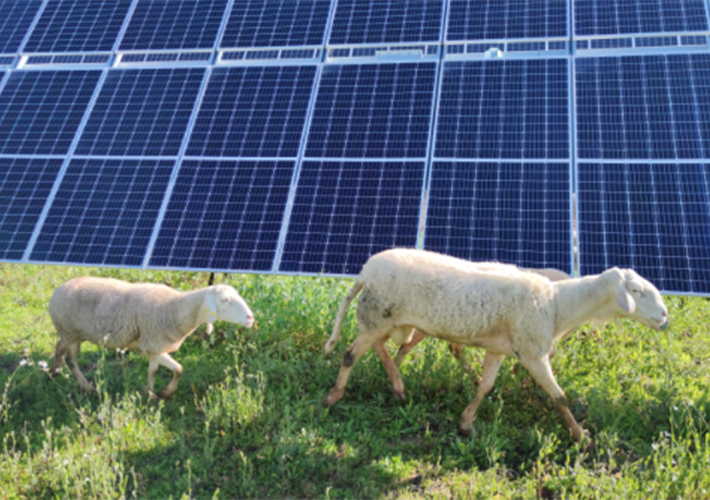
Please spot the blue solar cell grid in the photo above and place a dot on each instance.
(40, 111)
(344, 212)
(253, 112)
(506, 19)
(629, 17)
(224, 215)
(104, 212)
(386, 21)
(373, 111)
(78, 26)
(174, 24)
(24, 187)
(652, 107)
(512, 109)
(517, 213)
(142, 112)
(276, 23)
(654, 218)
(16, 17)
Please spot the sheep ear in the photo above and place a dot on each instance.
(625, 301)
(211, 304)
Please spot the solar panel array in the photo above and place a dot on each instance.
(274, 136)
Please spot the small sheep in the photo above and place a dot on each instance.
(456, 349)
(504, 310)
(155, 319)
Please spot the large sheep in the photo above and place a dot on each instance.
(155, 319)
(456, 349)
(507, 312)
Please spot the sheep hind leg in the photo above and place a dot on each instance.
(59, 353)
(404, 349)
(352, 354)
(172, 365)
(390, 368)
(73, 350)
(491, 364)
(542, 373)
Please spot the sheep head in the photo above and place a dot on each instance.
(639, 299)
(225, 304)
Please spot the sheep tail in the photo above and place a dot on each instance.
(335, 336)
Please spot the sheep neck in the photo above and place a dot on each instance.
(188, 313)
(580, 301)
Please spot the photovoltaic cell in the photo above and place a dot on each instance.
(506, 19)
(78, 26)
(504, 109)
(174, 24)
(41, 110)
(224, 215)
(16, 16)
(103, 212)
(253, 112)
(141, 112)
(386, 21)
(517, 213)
(24, 187)
(628, 17)
(654, 218)
(651, 107)
(373, 111)
(276, 23)
(344, 212)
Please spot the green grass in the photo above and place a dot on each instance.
(247, 421)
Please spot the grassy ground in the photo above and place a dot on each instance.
(247, 421)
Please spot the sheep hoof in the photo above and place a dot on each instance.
(152, 396)
(166, 395)
(399, 395)
(54, 373)
(466, 431)
(333, 397)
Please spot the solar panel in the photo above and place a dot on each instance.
(16, 17)
(78, 26)
(373, 111)
(346, 211)
(40, 111)
(627, 17)
(141, 112)
(224, 215)
(174, 24)
(24, 187)
(386, 21)
(517, 213)
(103, 212)
(643, 107)
(506, 19)
(504, 109)
(253, 112)
(276, 23)
(654, 218)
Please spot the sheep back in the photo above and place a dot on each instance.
(123, 315)
(457, 300)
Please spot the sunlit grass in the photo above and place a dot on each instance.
(247, 421)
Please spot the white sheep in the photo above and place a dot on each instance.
(507, 312)
(154, 319)
(456, 349)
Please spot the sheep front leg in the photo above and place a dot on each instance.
(153, 366)
(491, 364)
(352, 354)
(390, 367)
(172, 365)
(541, 371)
(73, 362)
